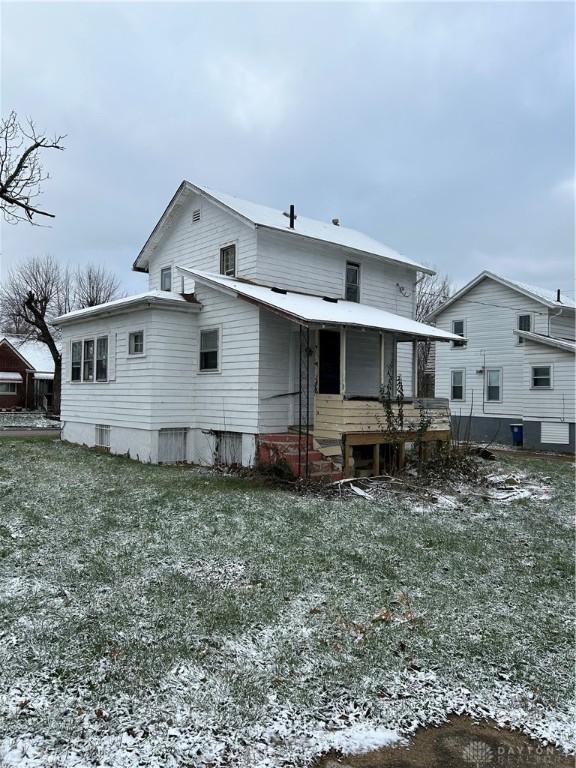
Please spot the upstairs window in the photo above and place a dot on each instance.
(76, 371)
(136, 343)
(166, 279)
(209, 349)
(541, 377)
(352, 292)
(524, 324)
(459, 329)
(102, 358)
(457, 385)
(228, 261)
(493, 385)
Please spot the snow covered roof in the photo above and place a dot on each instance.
(10, 376)
(318, 310)
(550, 341)
(543, 295)
(166, 299)
(271, 218)
(35, 353)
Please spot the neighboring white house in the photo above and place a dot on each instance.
(516, 365)
(250, 315)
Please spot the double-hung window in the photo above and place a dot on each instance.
(541, 377)
(76, 371)
(136, 343)
(493, 385)
(7, 388)
(88, 369)
(524, 324)
(166, 279)
(228, 261)
(459, 329)
(457, 385)
(89, 359)
(209, 349)
(352, 282)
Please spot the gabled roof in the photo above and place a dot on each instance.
(261, 216)
(544, 296)
(34, 354)
(165, 299)
(549, 341)
(307, 309)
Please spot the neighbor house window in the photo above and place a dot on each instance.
(166, 279)
(524, 324)
(352, 282)
(7, 388)
(493, 385)
(459, 329)
(88, 370)
(457, 385)
(76, 372)
(228, 260)
(102, 358)
(209, 348)
(136, 343)
(542, 377)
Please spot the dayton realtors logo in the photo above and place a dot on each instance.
(478, 754)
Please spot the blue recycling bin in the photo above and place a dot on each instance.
(517, 435)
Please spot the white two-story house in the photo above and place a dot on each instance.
(258, 327)
(515, 365)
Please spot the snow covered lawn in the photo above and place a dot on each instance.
(159, 616)
(24, 420)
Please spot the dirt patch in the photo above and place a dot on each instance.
(460, 743)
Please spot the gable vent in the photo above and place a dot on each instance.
(196, 216)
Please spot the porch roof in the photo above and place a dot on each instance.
(10, 376)
(310, 309)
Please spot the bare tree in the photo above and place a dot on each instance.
(21, 172)
(94, 285)
(431, 292)
(39, 290)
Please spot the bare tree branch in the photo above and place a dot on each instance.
(21, 173)
(431, 292)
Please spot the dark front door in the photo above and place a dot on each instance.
(329, 363)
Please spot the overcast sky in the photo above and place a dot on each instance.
(444, 130)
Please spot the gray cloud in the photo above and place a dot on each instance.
(445, 130)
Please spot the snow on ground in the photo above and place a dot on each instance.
(159, 616)
(23, 420)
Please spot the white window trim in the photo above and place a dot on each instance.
(236, 257)
(164, 268)
(542, 389)
(209, 371)
(519, 339)
(136, 355)
(357, 264)
(500, 387)
(463, 372)
(464, 344)
(82, 340)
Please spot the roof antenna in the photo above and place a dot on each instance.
(558, 296)
(292, 216)
(336, 222)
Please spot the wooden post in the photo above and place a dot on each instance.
(414, 370)
(347, 454)
(376, 459)
(343, 361)
(382, 361)
(401, 454)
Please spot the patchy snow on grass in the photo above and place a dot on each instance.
(23, 420)
(160, 616)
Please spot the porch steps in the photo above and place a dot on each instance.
(284, 447)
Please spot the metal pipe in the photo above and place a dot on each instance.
(307, 400)
(300, 404)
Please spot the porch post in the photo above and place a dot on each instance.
(343, 361)
(382, 363)
(414, 369)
